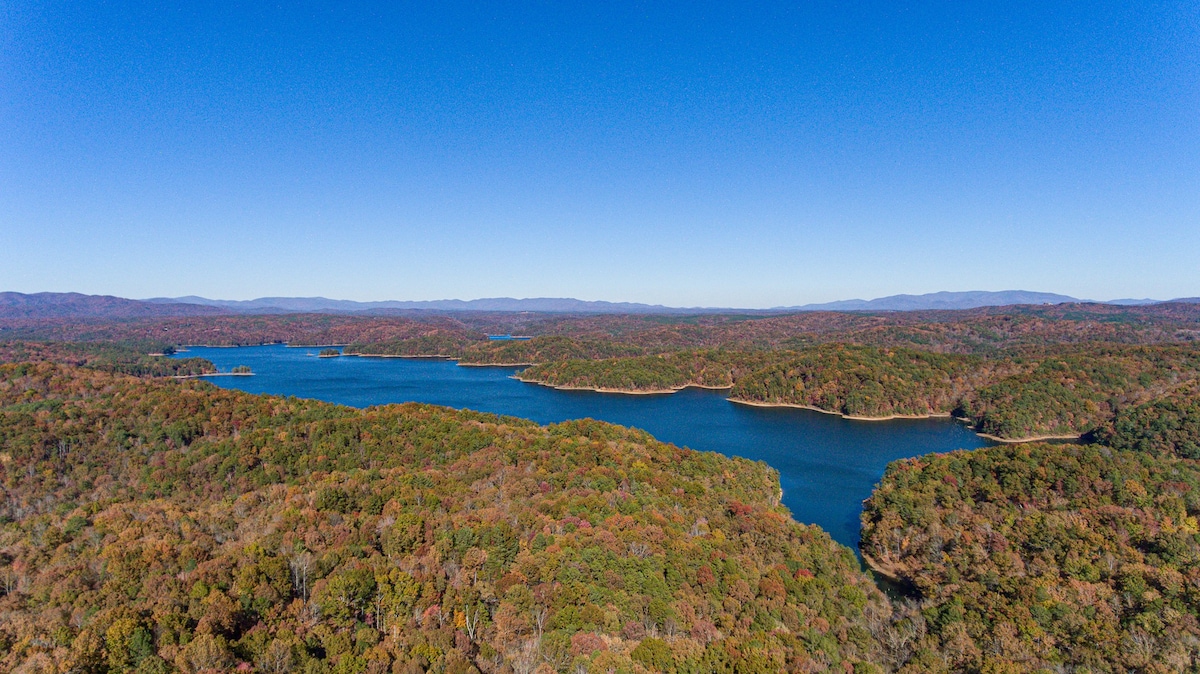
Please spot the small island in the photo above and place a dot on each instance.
(241, 369)
(329, 353)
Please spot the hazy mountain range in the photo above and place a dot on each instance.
(76, 305)
(939, 300)
(953, 300)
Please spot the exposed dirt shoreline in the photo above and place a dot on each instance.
(439, 356)
(622, 391)
(1032, 438)
(755, 403)
(889, 571)
(931, 415)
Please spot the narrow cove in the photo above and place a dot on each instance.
(827, 464)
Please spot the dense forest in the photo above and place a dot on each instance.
(862, 380)
(140, 359)
(158, 526)
(1167, 426)
(1043, 557)
(1066, 391)
(295, 329)
(1077, 390)
(712, 368)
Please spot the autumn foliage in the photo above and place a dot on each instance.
(1043, 557)
(171, 526)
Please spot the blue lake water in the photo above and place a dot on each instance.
(827, 464)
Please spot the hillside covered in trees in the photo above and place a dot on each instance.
(1169, 425)
(140, 359)
(157, 526)
(1065, 391)
(1044, 558)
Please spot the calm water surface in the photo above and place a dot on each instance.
(827, 464)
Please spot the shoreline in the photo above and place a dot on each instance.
(620, 391)
(431, 356)
(1031, 438)
(887, 571)
(212, 374)
(890, 417)
(454, 359)
(663, 391)
(932, 415)
(887, 575)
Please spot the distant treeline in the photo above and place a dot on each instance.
(975, 331)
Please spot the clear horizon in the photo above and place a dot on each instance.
(618, 301)
(683, 155)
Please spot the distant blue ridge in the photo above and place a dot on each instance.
(76, 305)
(930, 301)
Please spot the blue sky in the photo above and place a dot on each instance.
(685, 154)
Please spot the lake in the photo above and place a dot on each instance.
(827, 464)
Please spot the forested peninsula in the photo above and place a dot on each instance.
(1065, 392)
